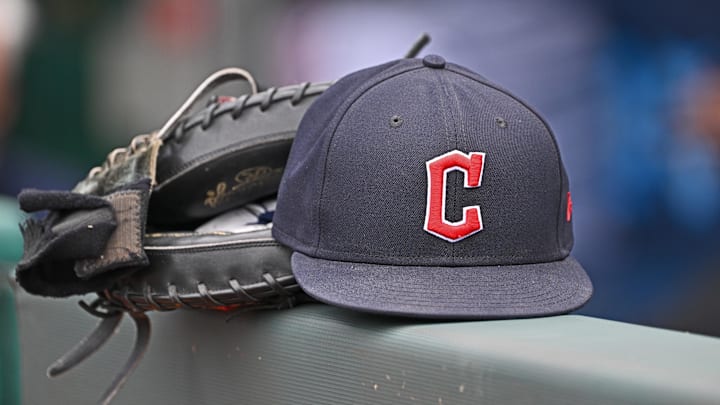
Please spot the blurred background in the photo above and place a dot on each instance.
(631, 89)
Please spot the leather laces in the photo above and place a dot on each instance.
(214, 80)
(110, 317)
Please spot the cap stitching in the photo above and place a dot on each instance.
(529, 263)
(459, 127)
(539, 296)
(353, 98)
(450, 144)
(554, 298)
(365, 256)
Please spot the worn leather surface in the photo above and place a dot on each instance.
(76, 249)
(186, 260)
(228, 155)
(230, 261)
(129, 168)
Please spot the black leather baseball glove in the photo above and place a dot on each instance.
(130, 230)
(179, 219)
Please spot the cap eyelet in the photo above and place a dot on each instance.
(501, 122)
(396, 121)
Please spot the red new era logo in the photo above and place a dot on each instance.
(471, 165)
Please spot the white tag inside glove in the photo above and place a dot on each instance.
(240, 220)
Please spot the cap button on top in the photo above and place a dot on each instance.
(434, 61)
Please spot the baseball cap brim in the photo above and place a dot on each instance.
(485, 292)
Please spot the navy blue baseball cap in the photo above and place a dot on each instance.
(419, 188)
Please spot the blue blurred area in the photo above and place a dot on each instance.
(659, 183)
(619, 82)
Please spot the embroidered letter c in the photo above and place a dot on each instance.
(471, 164)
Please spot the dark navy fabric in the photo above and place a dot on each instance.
(307, 155)
(447, 292)
(355, 191)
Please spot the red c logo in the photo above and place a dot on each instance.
(471, 165)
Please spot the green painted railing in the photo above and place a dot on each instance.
(317, 354)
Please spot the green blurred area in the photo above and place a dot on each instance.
(10, 252)
(11, 246)
(51, 141)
